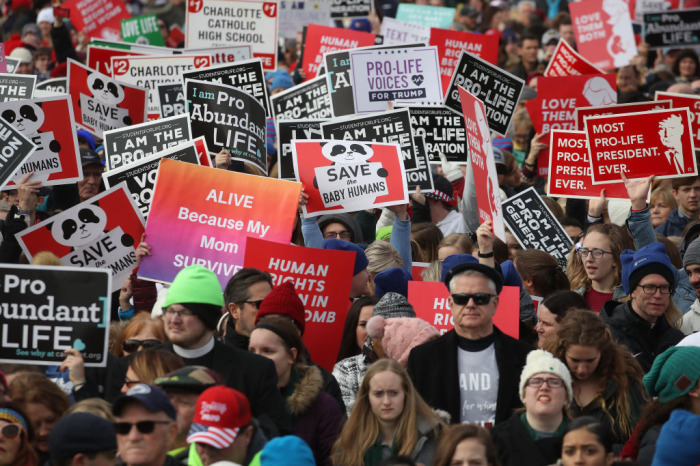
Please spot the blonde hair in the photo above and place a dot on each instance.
(46, 258)
(664, 195)
(362, 429)
(96, 406)
(137, 323)
(382, 256)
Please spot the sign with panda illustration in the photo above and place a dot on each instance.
(47, 310)
(246, 75)
(125, 146)
(48, 123)
(346, 176)
(172, 99)
(140, 176)
(102, 232)
(15, 148)
(16, 86)
(287, 131)
(101, 103)
(230, 119)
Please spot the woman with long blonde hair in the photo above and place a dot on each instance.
(389, 418)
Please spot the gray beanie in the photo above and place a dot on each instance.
(692, 253)
(393, 305)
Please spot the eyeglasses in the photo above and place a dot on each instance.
(181, 314)
(131, 383)
(462, 299)
(596, 253)
(132, 345)
(346, 235)
(554, 382)
(10, 431)
(145, 427)
(651, 289)
(255, 303)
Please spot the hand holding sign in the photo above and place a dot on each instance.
(75, 364)
(597, 206)
(485, 238)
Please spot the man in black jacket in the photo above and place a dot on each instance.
(472, 372)
(244, 294)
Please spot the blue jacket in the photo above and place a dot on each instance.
(674, 224)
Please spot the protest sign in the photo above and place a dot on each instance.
(47, 310)
(407, 74)
(350, 8)
(417, 269)
(134, 49)
(388, 127)
(229, 119)
(603, 32)
(295, 15)
(346, 176)
(101, 103)
(483, 163)
(321, 278)
(3, 61)
(397, 32)
(222, 23)
(287, 130)
(639, 8)
(426, 15)
(443, 131)
(150, 70)
(201, 145)
(125, 146)
(57, 85)
(246, 75)
(431, 301)
(15, 149)
(208, 222)
(101, 232)
(566, 61)
(498, 90)
(319, 40)
(11, 63)
(692, 102)
(658, 143)
(172, 99)
(222, 55)
(423, 171)
(48, 123)
(535, 227)
(581, 113)
(140, 176)
(308, 100)
(97, 18)
(674, 29)
(142, 30)
(570, 169)
(450, 44)
(16, 86)
(100, 58)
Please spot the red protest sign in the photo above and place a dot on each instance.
(655, 143)
(323, 39)
(450, 45)
(97, 18)
(48, 123)
(100, 58)
(483, 164)
(321, 278)
(570, 169)
(100, 103)
(584, 112)
(417, 268)
(102, 232)
(346, 176)
(431, 301)
(603, 30)
(567, 62)
(692, 102)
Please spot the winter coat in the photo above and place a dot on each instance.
(517, 448)
(674, 225)
(316, 416)
(691, 320)
(349, 373)
(637, 334)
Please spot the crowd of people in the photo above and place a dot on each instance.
(606, 368)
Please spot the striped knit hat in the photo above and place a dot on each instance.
(219, 415)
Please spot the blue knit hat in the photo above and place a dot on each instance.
(287, 451)
(281, 80)
(336, 244)
(456, 259)
(678, 444)
(648, 260)
(394, 279)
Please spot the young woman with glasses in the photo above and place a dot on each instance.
(594, 267)
(15, 437)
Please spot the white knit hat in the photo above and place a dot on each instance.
(45, 15)
(540, 361)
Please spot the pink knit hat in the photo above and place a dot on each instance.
(400, 335)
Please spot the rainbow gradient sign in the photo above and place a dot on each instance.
(202, 215)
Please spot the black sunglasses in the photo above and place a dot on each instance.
(131, 346)
(145, 427)
(462, 299)
(10, 431)
(255, 303)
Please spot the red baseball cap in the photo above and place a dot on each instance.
(220, 413)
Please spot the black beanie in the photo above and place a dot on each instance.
(209, 314)
(654, 267)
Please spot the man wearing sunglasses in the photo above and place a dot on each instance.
(243, 295)
(146, 426)
(472, 371)
(642, 324)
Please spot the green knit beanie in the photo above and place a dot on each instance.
(195, 284)
(674, 373)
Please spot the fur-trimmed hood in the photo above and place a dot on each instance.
(306, 391)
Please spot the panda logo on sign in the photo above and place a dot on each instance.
(85, 228)
(103, 105)
(348, 152)
(27, 117)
